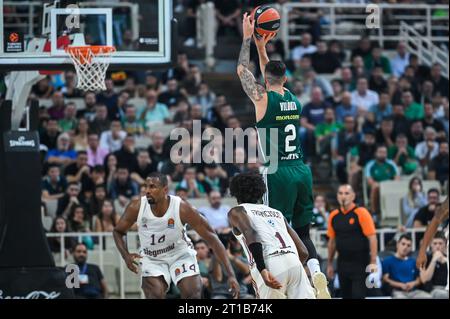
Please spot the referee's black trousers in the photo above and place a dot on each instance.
(352, 281)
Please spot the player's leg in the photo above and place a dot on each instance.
(185, 274)
(190, 287)
(301, 220)
(299, 286)
(155, 278)
(154, 287)
(280, 192)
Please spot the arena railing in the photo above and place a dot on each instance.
(111, 257)
(427, 52)
(347, 22)
(30, 15)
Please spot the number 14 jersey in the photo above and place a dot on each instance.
(162, 237)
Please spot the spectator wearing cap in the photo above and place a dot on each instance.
(403, 155)
(378, 170)
(438, 168)
(216, 213)
(112, 139)
(63, 154)
(362, 97)
(401, 60)
(400, 273)
(96, 155)
(428, 149)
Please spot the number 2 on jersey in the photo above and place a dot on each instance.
(292, 135)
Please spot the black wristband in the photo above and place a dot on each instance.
(257, 253)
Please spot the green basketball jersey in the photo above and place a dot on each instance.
(283, 113)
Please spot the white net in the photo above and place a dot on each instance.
(91, 64)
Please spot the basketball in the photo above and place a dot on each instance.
(267, 20)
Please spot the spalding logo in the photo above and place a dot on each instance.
(258, 11)
(276, 26)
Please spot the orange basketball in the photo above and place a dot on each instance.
(267, 20)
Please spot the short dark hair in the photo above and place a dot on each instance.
(404, 236)
(247, 187)
(433, 190)
(275, 71)
(161, 177)
(440, 235)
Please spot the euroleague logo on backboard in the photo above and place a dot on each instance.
(14, 37)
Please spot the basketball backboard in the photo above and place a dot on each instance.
(33, 34)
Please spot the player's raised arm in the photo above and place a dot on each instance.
(190, 216)
(255, 91)
(239, 221)
(262, 52)
(120, 231)
(439, 217)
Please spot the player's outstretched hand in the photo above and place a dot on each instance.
(132, 262)
(261, 42)
(421, 260)
(270, 280)
(234, 287)
(248, 26)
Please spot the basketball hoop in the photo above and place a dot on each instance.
(91, 63)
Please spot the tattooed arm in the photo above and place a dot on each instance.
(255, 91)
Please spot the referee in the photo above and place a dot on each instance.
(351, 233)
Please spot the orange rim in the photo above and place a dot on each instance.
(82, 52)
